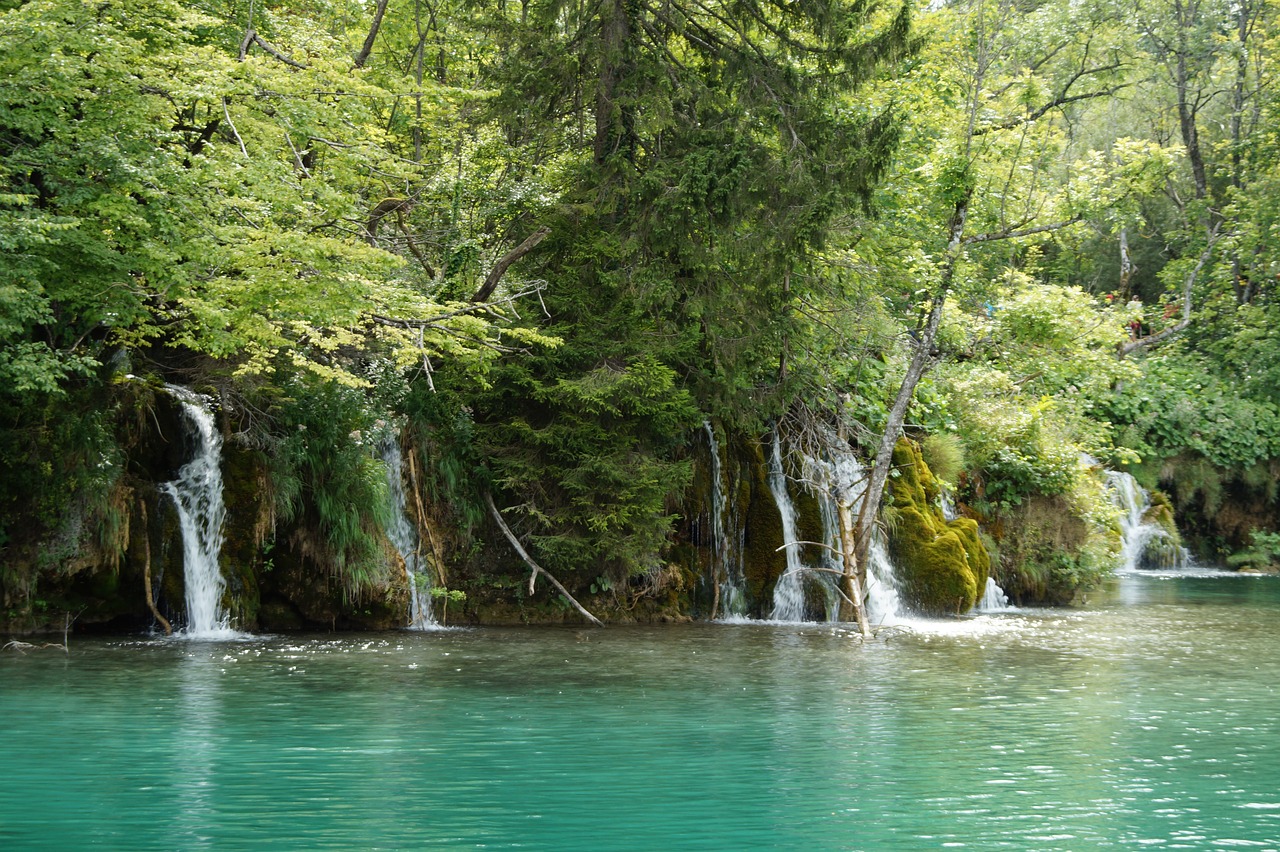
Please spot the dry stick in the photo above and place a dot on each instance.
(537, 569)
(146, 571)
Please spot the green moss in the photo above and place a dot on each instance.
(1048, 552)
(763, 562)
(943, 564)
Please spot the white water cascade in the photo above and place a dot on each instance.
(1144, 545)
(839, 476)
(993, 598)
(197, 493)
(788, 592)
(405, 537)
(847, 478)
(726, 551)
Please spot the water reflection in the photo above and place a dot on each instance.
(197, 727)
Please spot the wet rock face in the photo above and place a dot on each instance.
(942, 564)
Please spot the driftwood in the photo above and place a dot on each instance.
(536, 568)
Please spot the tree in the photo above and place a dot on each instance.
(1012, 85)
(705, 150)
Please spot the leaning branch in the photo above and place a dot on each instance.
(495, 275)
(992, 236)
(536, 568)
(363, 56)
(251, 38)
(1182, 324)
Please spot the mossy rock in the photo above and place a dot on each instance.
(943, 564)
(1160, 513)
(1043, 552)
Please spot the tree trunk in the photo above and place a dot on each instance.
(853, 574)
(614, 119)
(1126, 265)
(915, 371)
(363, 56)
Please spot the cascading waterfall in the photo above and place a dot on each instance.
(788, 592)
(405, 537)
(828, 480)
(1144, 545)
(884, 605)
(726, 558)
(840, 476)
(847, 477)
(993, 598)
(197, 493)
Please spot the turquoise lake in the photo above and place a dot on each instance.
(1146, 718)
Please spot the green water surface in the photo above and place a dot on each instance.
(1147, 719)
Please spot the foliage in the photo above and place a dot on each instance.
(1263, 551)
(593, 458)
(328, 481)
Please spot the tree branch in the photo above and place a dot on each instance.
(991, 236)
(251, 38)
(536, 568)
(363, 56)
(430, 322)
(1182, 324)
(499, 269)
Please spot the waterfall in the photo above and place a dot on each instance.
(884, 606)
(993, 598)
(404, 536)
(788, 592)
(197, 493)
(1143, 544)
(726, 558)
(839, 476)
(848, 480)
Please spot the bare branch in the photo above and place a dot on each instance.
(992, 236)
(1181, 325)
(536, 568)
(251, 38)
(226, 112)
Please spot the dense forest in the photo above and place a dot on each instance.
(588, 262)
